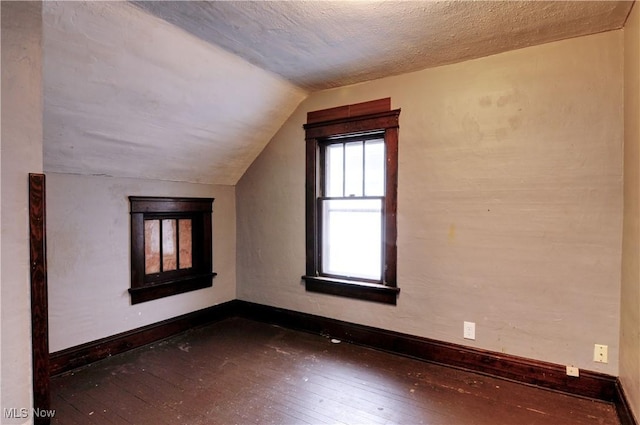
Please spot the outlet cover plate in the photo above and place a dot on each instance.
(573, 371)
(469, 330)
(600, 353)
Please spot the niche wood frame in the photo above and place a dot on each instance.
(147, 287)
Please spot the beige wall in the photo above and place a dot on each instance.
(89, 256)
(630, 294)
(21, 154)
(509, 211)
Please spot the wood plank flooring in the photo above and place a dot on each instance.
(238, 371)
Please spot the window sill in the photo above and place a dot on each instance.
(352, 289)
(173, 287)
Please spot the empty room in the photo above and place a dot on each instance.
(322, 212)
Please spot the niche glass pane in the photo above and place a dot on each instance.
(352, 238)
(184, 242)
(374, 168)
(169, 251)
(334, 178)
(151, 246)
(353, 169)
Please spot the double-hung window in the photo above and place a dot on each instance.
(351, 198)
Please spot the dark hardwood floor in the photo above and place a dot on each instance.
(238, 371)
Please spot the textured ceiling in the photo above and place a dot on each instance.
(322, 44)
(193, 91)
(127, 94)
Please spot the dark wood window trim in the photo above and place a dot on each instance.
(147, 287)
(373, 117)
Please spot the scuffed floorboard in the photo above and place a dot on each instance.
(242, 372)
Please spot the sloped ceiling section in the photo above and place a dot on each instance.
(193, 91)
(324, 44)
(128, 94)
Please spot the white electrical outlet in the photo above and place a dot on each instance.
(573, 371)
(600, 353)
(469, 330)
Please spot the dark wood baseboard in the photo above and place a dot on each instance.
(552, 376)
(622, 406)
(81, 355)
(590, 384)
(547, 375)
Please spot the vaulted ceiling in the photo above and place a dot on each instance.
(193, 91)
(322, 44)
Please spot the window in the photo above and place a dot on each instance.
(351, 201)
(170, 246)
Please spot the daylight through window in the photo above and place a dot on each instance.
(352, 208)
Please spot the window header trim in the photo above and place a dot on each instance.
(158, 204)
(353, 110)
(352, 126)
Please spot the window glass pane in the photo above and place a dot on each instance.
(374, 167)
(151, 246)
(353, 169)
(352, 238)
(334, 177)
(169, 253)
(184, 242)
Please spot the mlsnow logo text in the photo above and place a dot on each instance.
(23, 413)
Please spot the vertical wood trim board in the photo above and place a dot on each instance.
(39, 302)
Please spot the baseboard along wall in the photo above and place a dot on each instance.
(552, 376)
